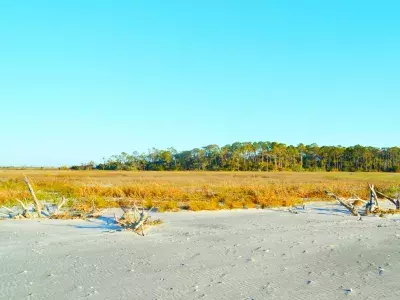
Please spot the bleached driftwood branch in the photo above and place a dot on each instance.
(38, 206)
(373, 203)
(25, 210)
(396, 202)
(353, 210)
(11, 213)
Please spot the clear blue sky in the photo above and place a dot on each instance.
(80, 80)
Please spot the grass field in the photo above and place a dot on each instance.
(189, 190)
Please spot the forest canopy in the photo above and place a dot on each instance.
(257, 156)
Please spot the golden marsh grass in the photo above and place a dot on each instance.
(189, 190)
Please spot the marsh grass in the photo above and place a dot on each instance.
(171, 191)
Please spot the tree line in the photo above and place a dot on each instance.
(257, 156)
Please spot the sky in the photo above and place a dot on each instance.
(83, 80)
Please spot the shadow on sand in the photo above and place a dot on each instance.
(106, 223)
(330, 211)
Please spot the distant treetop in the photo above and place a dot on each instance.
(257, 156)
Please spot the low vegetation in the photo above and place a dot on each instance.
(171, 191)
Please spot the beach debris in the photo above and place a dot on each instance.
(371, 206)
(353, 209)
(135, 219)
(132, 219)
(396, 202)
(49, 211)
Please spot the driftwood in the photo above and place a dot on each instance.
(25, 212)
(11, 212)
(61, 204)
(81, 213)
(371, 206)
(38, 206)
(396, 202)
(352, 209)
(52, 211)
(134, 219)
(373, 203)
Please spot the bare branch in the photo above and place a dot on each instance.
(9, 210)
(394, 201)
(350, 207)
(22, 204)
(373, 193)
(61, 203)
(38, 206)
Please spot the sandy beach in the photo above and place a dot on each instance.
(317, 253)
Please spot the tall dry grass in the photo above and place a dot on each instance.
(189, 190)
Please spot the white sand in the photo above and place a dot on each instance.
(320, 253)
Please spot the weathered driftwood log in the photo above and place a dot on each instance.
(352, 209)
(373, 203)
(396, 202)
(11, 213)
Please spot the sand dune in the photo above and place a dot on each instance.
(318, 253)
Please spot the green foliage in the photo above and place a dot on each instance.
(257, 156)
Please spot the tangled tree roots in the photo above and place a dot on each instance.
(135, 219)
